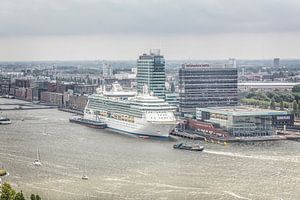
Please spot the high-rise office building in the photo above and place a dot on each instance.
(107, 71)
(151, 71)
(276, 62)
(232, 62)
(206, 86)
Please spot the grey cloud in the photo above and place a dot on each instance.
(82, 17)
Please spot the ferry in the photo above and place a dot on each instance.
(190, 147)
(4, 121)
(139, 114)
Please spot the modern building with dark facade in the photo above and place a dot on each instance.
(203, 85)
(151, 71)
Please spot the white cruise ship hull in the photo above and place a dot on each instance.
(141, 127)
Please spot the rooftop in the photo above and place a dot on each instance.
(242, 111)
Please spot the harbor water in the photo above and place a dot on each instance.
(127, 167)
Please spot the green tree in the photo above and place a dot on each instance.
(295, 106)
(35, 197)
(7, 192)
(32, 197)
(296, 88)
(19, 196)
(272, 104)
(281, 105)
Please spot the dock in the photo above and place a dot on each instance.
(277, 137)
(187, 135)
(87, 122)
(77, 112)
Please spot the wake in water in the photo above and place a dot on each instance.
(235, 195)
(294, 159)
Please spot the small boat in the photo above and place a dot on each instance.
(84, 176)
(185, 146)
(37, 161)
(4, 121)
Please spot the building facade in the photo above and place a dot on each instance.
(203, 85)
(240, 121)
(173, 99)
(276, 62)
(151, 71)
(107, 70)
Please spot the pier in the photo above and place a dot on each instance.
(25, 106)
(210, 138)
(187, 135)
(77, 112)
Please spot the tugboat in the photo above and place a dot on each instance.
(4, 121)
(185, 146)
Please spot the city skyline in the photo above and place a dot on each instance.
(120, 30)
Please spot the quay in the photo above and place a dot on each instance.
(187, 135)
(29, 108)
(25, 106)
(227, 139)
(77, 112)
(87, 122)
(195, 135)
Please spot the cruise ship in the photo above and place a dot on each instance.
(142, 114)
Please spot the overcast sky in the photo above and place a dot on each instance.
(123, 29)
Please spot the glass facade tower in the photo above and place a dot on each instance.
(151, 71)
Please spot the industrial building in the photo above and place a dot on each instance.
(204, 85)
(240, 121)
(151, 71)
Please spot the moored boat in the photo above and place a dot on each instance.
(139, 114)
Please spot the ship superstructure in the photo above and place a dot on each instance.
(142, 114)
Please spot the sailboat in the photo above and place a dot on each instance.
(85, 177)
(37, 161)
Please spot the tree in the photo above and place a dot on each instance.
(296, 88)
(295, 106)
(272, 104)
(35, 197)
(281, 105)
(298, 111)
(32, 197)
(7, 192)
(19, 196)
